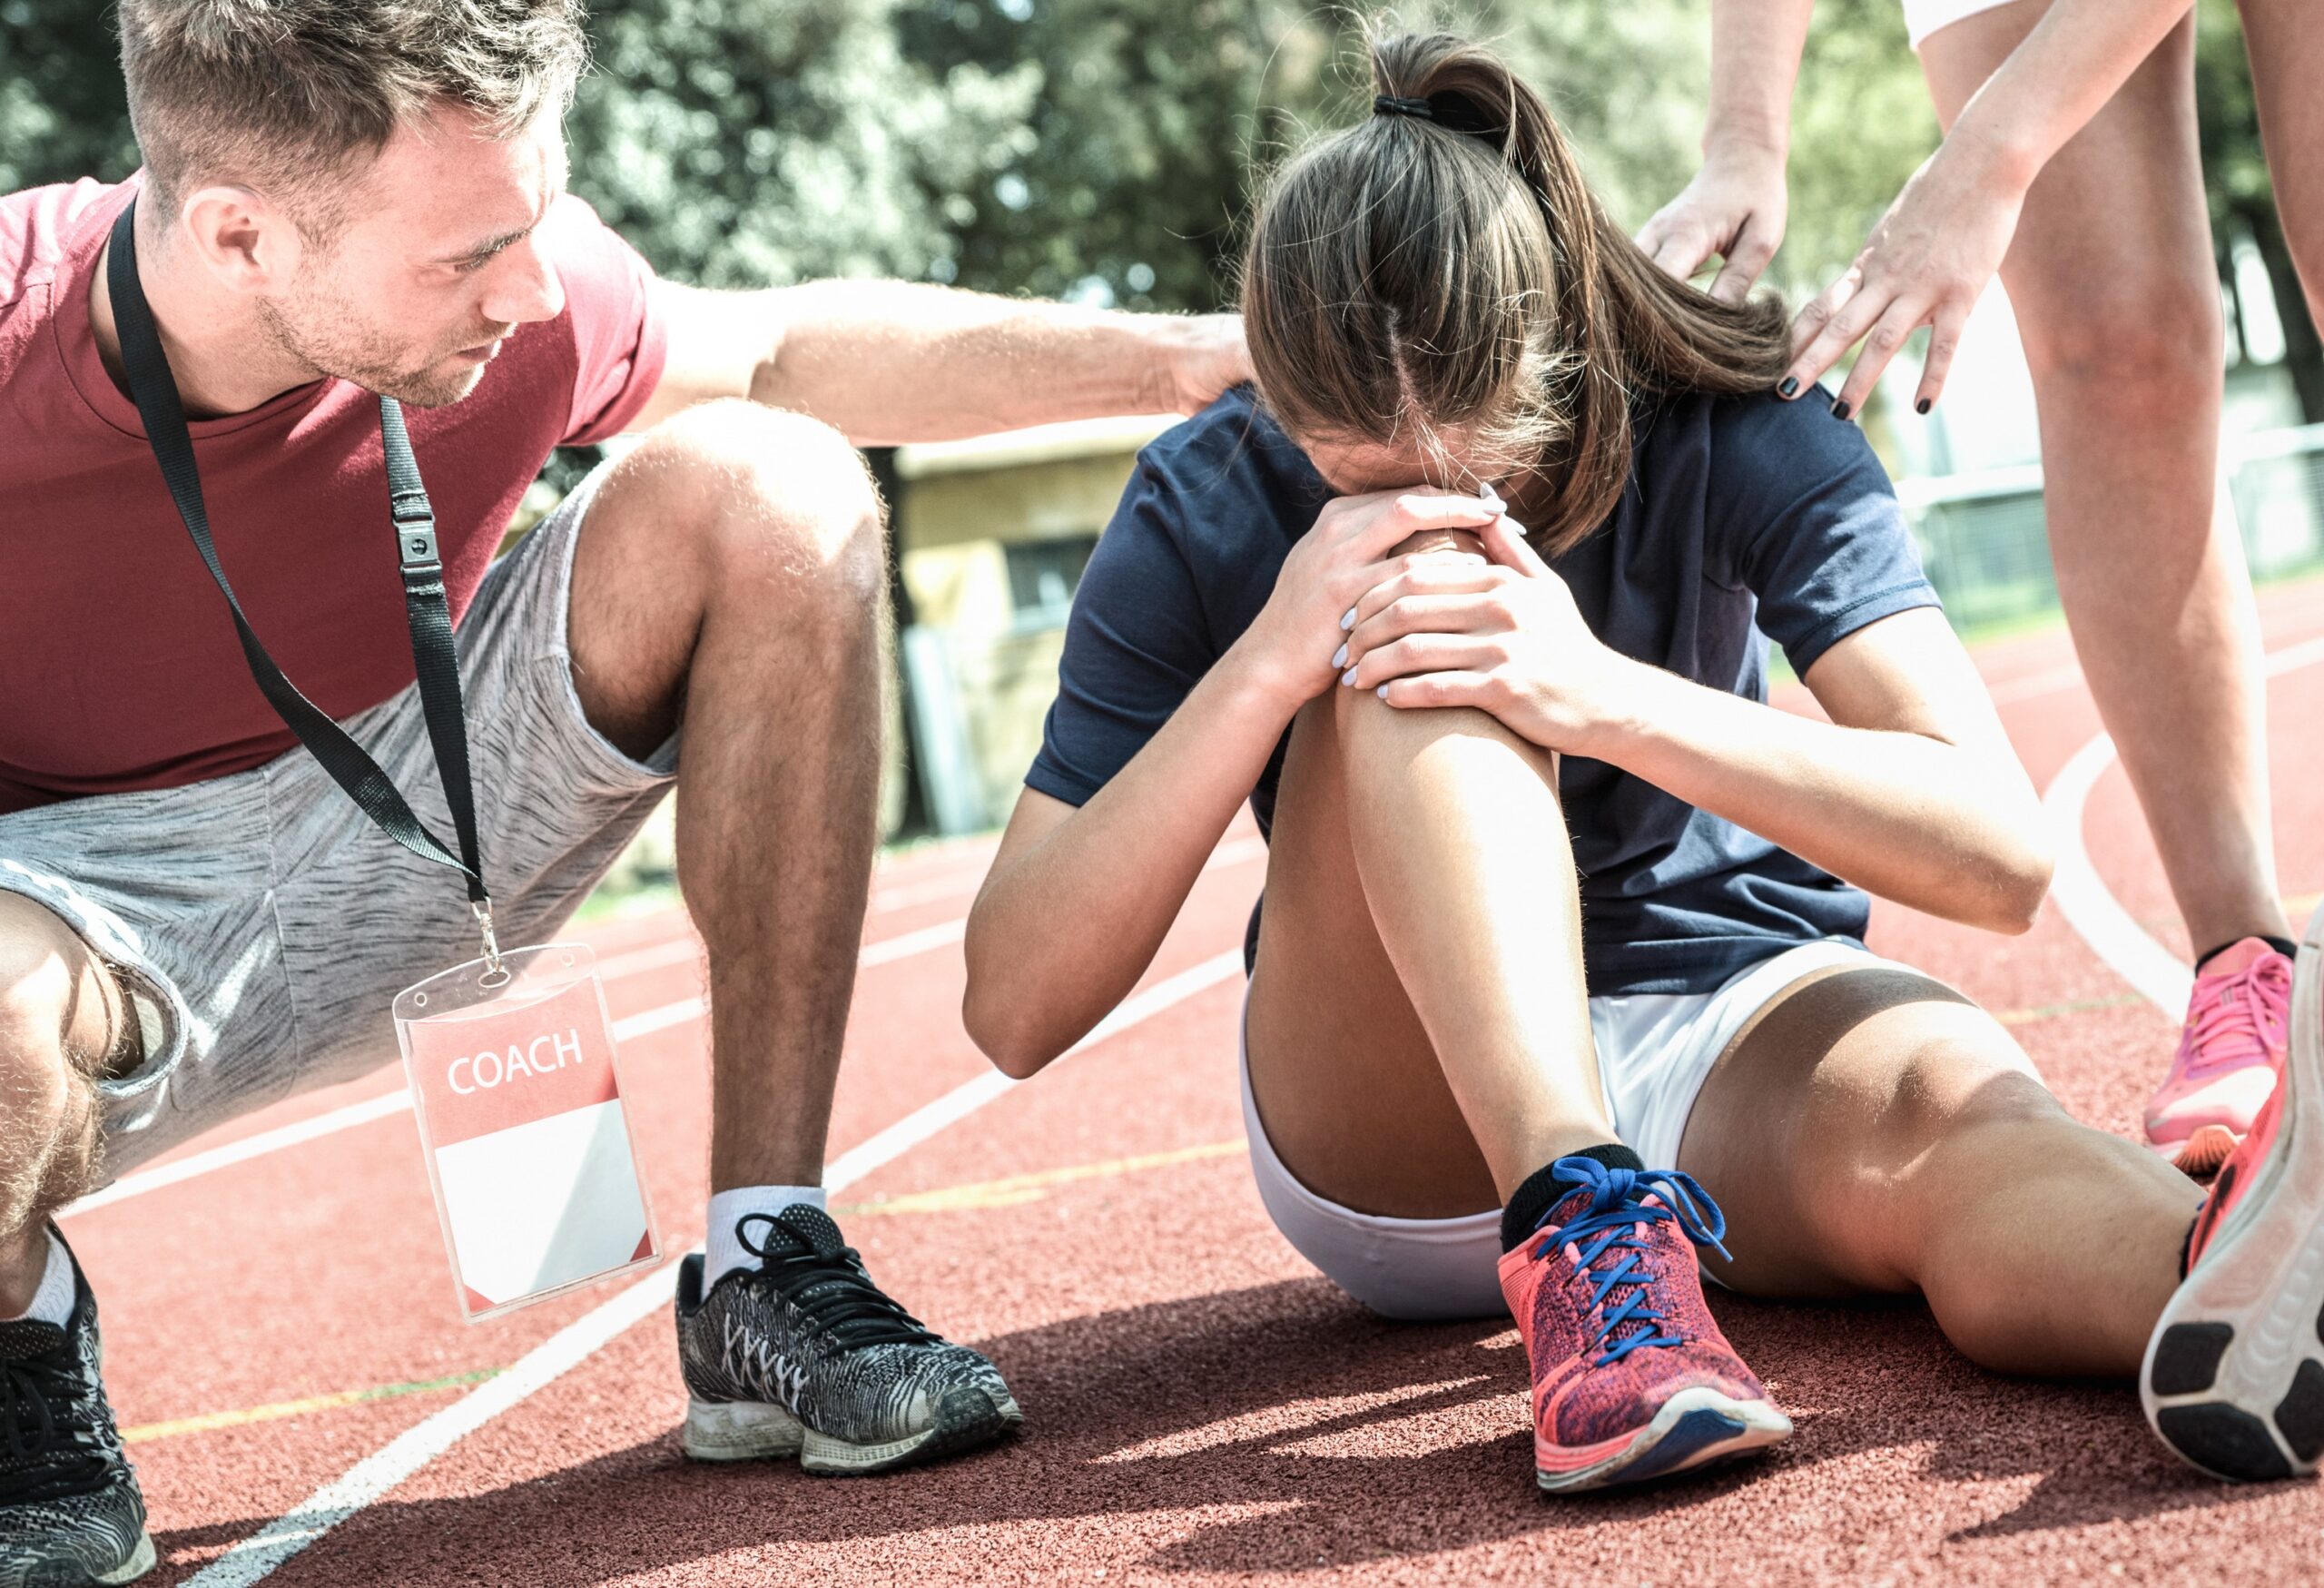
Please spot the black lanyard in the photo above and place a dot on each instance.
(432, 652)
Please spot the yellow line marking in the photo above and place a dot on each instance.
(1015, 1189)
(2022, 1016)
(277, 1410)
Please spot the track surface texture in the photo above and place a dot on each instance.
(1199, 1404)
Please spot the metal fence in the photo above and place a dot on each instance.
(1987, 549)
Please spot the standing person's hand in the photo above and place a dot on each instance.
(1735, 208)
(1503, 636)
(1926, 264)
(1299, 640)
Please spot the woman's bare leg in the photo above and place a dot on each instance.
(2286, 39)
(1419, 1030)
(1873, 1130)
(2117, 297)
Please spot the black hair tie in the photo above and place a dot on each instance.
(1453, 111)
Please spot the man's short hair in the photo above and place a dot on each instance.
(288, 96)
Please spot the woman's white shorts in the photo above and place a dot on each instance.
(1923, 18)
(1654, 1050)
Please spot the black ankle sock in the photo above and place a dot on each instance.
(1542, 1190)
(2282, 945)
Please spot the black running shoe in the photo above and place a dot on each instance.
(803, 1355)
(70, 1513)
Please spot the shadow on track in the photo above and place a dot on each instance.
(1309, 1433)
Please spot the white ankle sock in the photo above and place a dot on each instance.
(723, 1250)
(52, 1302)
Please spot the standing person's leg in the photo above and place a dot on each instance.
(2117, 299)
(1419, 1050)
(2286, 40)
(729, 586)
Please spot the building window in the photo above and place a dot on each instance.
(1042, 575)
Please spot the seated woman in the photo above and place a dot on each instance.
(1555, 933)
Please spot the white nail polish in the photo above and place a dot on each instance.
(1382, 691)
(1339, 656)
(1348, 678)
(1347, 618)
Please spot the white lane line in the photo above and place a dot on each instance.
(2089, 908)
(256, 1558)
(2119, 940)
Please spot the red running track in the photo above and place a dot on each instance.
(1199, 1404)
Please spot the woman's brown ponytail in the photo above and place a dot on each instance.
(1442, 265)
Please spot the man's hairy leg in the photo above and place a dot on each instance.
(730, 580)
(63, 1023)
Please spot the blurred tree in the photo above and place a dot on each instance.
(63, 114)
(1106, 149)
(746, 143)
(2243, 198)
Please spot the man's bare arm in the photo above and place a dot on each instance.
(887, 362)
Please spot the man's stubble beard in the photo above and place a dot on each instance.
(356, 354)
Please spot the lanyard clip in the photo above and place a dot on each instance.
(415, 530)
(483, 910)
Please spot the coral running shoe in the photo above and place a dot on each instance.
(1631, 1377)
(2230, 1050)
(2233, 1379)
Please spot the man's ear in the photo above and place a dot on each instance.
(241, 237)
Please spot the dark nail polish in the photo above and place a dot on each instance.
(1922, 406)
(1790, 385)
(1841, 411)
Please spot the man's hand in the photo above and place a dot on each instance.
(1734, 209)
(1201, 356)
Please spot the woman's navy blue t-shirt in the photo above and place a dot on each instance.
(1745, 519)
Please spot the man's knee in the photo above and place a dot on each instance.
(775, 498)
(62, 1020)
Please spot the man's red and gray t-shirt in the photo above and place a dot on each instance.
(119, 668)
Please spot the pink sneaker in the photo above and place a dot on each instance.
(2233, 1378)
(2230, 1050)
(1632, 1379)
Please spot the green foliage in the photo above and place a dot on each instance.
(61, 110)
(1861, 127)
(1106, 149)
(754, 141)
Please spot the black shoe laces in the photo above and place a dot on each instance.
(52, 1447)
(829, 1287)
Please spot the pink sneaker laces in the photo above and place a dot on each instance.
(2238, 1017)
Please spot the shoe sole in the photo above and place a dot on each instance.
(60, 1572)
(2233, 1378)
(139, 1561)
(965, 1419)
(1694, 1428)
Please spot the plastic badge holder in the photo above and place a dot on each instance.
(529, 1149)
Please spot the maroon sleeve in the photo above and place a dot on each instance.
(619, 339)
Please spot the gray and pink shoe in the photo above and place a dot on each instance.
(2230, 1052)
(2233, 1379)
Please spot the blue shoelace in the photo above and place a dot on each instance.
(1616, 1210)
